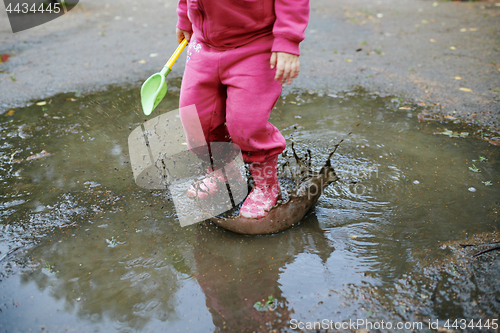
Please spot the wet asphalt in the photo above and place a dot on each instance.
(443, 54)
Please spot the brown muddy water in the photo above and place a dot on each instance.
(96, 253)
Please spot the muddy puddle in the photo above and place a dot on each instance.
(84, 249)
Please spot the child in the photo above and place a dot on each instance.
(240, 54)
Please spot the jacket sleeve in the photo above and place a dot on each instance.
(183, 22)
(292, 17)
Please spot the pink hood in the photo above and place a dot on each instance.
(226, 24)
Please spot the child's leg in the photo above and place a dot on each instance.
(201, 86)
(251, 95)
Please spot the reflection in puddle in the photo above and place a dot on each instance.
(97, 253)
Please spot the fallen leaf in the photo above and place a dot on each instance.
(10, 112)
(425, 21)
(494, 141)
(435, 4)
(142, 61)
(348, 60)
(71, 99)
(4, 57)
(463, 30)
(43, 153)
(447, 132)
(353, 237)
(432, 40)
(498, 69)
(41, 103)
(466, 89)
(452, 134)
(421, 104)
(450, 117)
(473, 29)
(458, 78)
(453, 48)
(405, 108)
(292, 102)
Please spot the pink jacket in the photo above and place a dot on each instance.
(226, 24)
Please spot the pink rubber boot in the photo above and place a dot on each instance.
(266, 190)
(213, 181)
(207, 186)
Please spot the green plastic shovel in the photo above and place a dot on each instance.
(155, 88)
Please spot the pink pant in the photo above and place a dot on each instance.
(234, 92)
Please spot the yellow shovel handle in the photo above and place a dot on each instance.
(176, 54)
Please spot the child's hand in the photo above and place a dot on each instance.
(181, 34)
(287, 66)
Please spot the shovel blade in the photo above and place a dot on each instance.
(152, 92)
